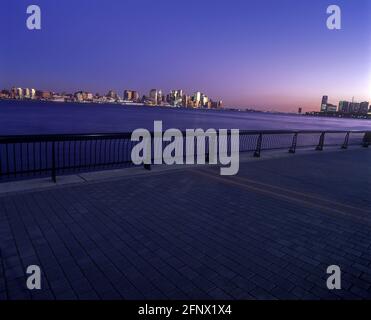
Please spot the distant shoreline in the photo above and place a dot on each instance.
(145, 106)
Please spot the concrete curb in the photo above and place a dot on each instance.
(11, 187)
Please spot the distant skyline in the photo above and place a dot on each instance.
(263, 54)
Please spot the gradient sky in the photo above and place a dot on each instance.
(266, 54)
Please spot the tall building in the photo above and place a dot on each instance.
(135, 95)
(204, 100)
(159, 97)
(131, 95)
(16, 93)
(186, 101)
(13, 92)
(324, 103)
(27, 93)
(354, 107)
(112, 95)
(128, 95)
(363, 107)
(175, 97)
(155, 96)
(196, 99)
(344, 106)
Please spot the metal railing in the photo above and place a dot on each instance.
(42, 155)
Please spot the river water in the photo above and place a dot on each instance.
(34, 117)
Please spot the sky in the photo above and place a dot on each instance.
(263, 54)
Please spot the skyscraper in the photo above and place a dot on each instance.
(128, 96)
(175, 97)
(354, 107)
(196, 99)
(27, 93)
(155, 96)
(112, 95)
(204, 100)
(363, 107)
(324, 103)
(344, 106)
(131, 95)
(159, 97)
(135, 96)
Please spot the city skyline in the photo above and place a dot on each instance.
(155, 97)
(247, 53)
(174, 98)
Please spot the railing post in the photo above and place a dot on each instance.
(54, 171)
(346, 141)
(1, 164)
(294, 141)
(366, 139)
(258, 146)
(207, 158)
(321, 142)
(207, 148)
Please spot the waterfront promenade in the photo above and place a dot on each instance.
(268, 233)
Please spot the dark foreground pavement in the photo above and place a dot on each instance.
(268, 233)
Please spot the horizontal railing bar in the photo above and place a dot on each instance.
(49, 169)
(22, 155)
(56, 137)
(127, 135)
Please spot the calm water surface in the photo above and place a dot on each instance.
(20, 117)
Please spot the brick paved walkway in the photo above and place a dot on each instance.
(268, 233)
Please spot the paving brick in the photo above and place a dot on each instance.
(184, 235)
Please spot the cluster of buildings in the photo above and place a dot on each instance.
(176, 98)
(345, 107)
(26, 93)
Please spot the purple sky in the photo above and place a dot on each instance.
(267, 54)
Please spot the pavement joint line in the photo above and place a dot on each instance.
(306, 195)
(2, 274)
(80, 176)
(275, 194)
(262, 246)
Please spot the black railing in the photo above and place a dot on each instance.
(40, 155)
